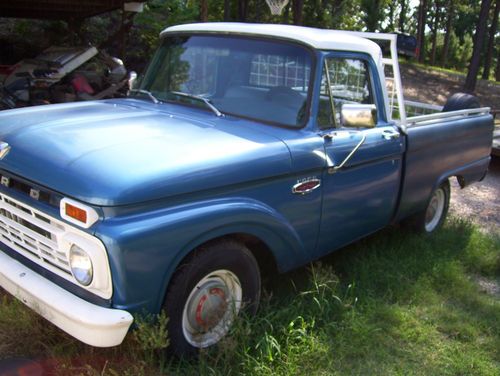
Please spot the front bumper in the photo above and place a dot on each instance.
(89, 323)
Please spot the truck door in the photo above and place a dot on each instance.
(361, 179)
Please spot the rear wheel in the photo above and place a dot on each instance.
(434, 215)
(207, 293)
(437, 209)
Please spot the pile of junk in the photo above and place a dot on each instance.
(63, 74)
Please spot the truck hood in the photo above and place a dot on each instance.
(128, 151)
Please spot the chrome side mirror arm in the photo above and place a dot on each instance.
(334, 169)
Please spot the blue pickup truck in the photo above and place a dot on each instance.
(244, 147)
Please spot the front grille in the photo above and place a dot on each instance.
(32, 234)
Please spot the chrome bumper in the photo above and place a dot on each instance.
(89, 323)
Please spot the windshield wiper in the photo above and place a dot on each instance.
(148, 93)
(199, 98)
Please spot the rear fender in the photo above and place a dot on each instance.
(466, 175)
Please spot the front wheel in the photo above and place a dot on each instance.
(207, 293)
(434, 215)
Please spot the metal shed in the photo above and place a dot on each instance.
(64, 9)
(74, 12)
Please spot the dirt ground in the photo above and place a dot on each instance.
(479, 202)
(428, 86)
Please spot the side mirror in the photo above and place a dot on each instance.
(358, 115)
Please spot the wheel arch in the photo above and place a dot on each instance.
(270, 238)
(265, 256)
(465, 175)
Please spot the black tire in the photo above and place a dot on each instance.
(194, 281)
(426, 221)
(461, 101)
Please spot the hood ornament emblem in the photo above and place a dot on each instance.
(4, 149)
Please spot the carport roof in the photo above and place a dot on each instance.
(59, 9)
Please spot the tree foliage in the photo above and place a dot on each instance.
(446, 38)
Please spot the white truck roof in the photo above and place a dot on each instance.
(322, 39)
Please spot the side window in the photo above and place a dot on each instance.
(350, 82)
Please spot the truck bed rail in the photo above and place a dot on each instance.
(415, 121)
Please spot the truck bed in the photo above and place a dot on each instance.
(435, 152)
(495, 149)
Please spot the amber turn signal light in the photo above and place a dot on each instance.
(76, 213)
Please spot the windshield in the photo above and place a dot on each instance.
(251, 78)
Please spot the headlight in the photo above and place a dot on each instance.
(81, 265)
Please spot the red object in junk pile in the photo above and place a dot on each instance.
(81, 85)
(7, 69)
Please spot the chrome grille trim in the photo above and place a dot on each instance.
(46, 241)
(32, 234)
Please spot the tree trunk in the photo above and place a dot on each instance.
(402, 15)
(497, 71)
(471, 79)
(422, 16)
(447, 35)
(227, 10)
(286, 14)
(203, 10)
(491, 42)
(259, 9)
(242, 10)
(437, 18)
(298, 8)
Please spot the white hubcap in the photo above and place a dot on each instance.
(211, 308)
(435, 210)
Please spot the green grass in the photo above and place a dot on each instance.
(394, 303)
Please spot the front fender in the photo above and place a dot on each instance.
(144, 250)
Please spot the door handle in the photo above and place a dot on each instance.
(390, 134)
